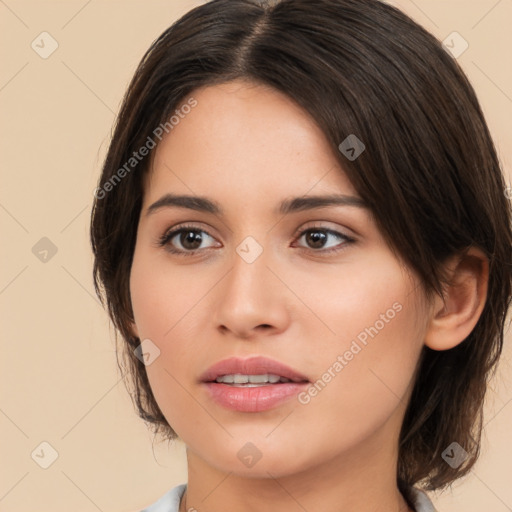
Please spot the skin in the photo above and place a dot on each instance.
(249, 147)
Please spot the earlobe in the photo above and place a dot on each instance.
(453, 319)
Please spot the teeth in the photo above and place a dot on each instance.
(239, 378)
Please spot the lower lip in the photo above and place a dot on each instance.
(253, 399)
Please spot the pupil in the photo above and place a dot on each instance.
(317, 238)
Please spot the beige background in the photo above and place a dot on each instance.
(59, 379)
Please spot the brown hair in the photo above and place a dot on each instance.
(429, 172)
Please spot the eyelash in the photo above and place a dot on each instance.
(163, 241)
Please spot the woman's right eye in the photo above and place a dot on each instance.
(188, 237)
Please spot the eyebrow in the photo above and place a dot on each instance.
(295, 204)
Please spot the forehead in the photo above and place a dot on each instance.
(245, 141)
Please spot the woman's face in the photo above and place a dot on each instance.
(332, 303)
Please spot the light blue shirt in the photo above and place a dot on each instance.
(170, 502)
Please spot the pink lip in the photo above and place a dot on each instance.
(255, 399)
(255, 365)
(252, 399)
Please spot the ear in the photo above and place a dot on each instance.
(453, 318)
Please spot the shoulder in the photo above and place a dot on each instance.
(169, 502)
(422, 502)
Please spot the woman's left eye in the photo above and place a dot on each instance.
(318, 238)
(190, 239)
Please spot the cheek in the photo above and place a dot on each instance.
(365, 299)
(368, 374)
(164, 296)
(365, 369)
(165, 301)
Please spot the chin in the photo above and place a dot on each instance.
(249, 461)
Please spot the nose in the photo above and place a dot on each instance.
(252, 299)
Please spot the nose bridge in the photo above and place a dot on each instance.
(249, 269)
(249, 295)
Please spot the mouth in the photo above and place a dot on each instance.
(252, 385)
(252, 372)
(240, 380)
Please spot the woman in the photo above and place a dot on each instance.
(302, 236)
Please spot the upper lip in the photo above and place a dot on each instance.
(258, 365)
